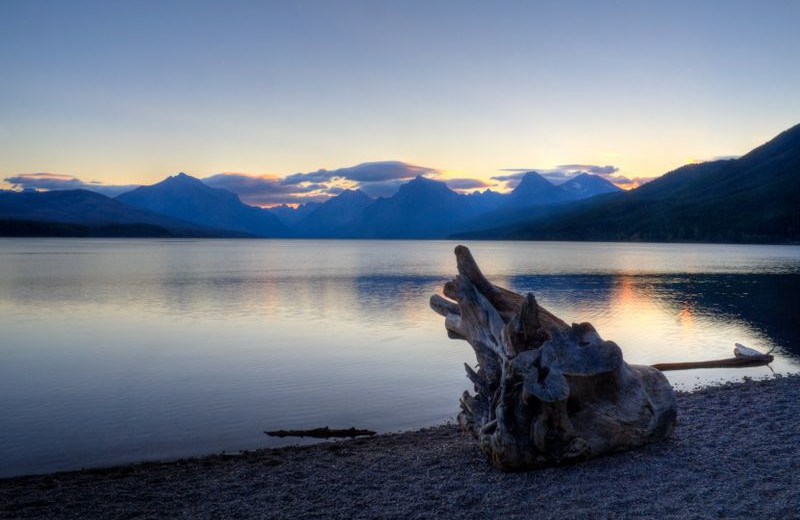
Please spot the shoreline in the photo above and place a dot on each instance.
(452, 239)
(735, 454)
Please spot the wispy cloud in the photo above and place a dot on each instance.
(376, 179)
(466, 184)
(58, 181)
(382, 189)
(589, 168)
(267, 190)
(380, 171)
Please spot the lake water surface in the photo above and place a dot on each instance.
(125, 350)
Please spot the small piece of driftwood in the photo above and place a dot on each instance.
(743, 357)
(321, 433)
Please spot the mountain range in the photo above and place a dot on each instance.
(427, 208)
(750, 199)
(755, 198)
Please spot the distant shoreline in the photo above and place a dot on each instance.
(150, 232)
(736, 453)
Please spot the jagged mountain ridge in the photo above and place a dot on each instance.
(335, 217)
(750, 199)
(586, 185)
(188, 198)
(428, 208)
(291, 216)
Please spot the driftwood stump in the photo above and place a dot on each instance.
(546, 393)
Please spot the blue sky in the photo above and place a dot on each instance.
(129, 92)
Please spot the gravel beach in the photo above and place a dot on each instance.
(735, 454)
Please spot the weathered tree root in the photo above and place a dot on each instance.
(546, 393)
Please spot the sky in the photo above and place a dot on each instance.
(114, 93)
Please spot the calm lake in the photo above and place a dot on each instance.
(126, 350)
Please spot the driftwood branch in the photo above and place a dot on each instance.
(322, 433)
(743, 357)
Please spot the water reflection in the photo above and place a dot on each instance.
(697, 313)
(122, 350)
